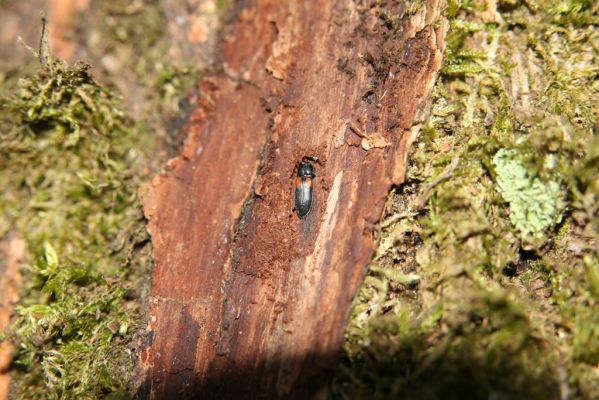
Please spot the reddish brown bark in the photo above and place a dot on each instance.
(12, 251)
(247, 298)
(62, 26)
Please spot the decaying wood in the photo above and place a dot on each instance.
(247, 298)
(12, 251)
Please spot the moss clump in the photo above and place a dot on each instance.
(487, 346)
(502, 300)
(70, 163)
(67, 168)
(534, 205)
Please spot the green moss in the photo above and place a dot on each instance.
(222, 4)
(586, 338)
(128, 44)
(504, 248)
(67, 162)
(71, 159)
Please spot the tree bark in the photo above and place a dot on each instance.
(12, 251)
(248, 299)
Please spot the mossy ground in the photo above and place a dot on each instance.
(68, 163)
(73, 156)
(473, 292)
(479, 290)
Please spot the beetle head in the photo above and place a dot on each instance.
(306, 170)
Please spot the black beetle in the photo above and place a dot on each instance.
(303, 188)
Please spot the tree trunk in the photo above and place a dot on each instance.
(246, 297)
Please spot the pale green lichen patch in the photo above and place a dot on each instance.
(485, 282)
(534, 205)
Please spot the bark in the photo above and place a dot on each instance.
(12, 251)
(62, 28)
(247, 299)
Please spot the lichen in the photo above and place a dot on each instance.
(534, 205)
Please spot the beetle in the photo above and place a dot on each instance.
(303, 188)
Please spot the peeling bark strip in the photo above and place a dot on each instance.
(246, 298)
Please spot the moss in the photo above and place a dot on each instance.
(505, 248)
(72, 157)
(222, 4)
(586, 339)
(68, 159)
(129, 48)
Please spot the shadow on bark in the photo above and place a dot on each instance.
(233, 381)
(456, 376)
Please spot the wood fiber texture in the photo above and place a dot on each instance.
(247, 299)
